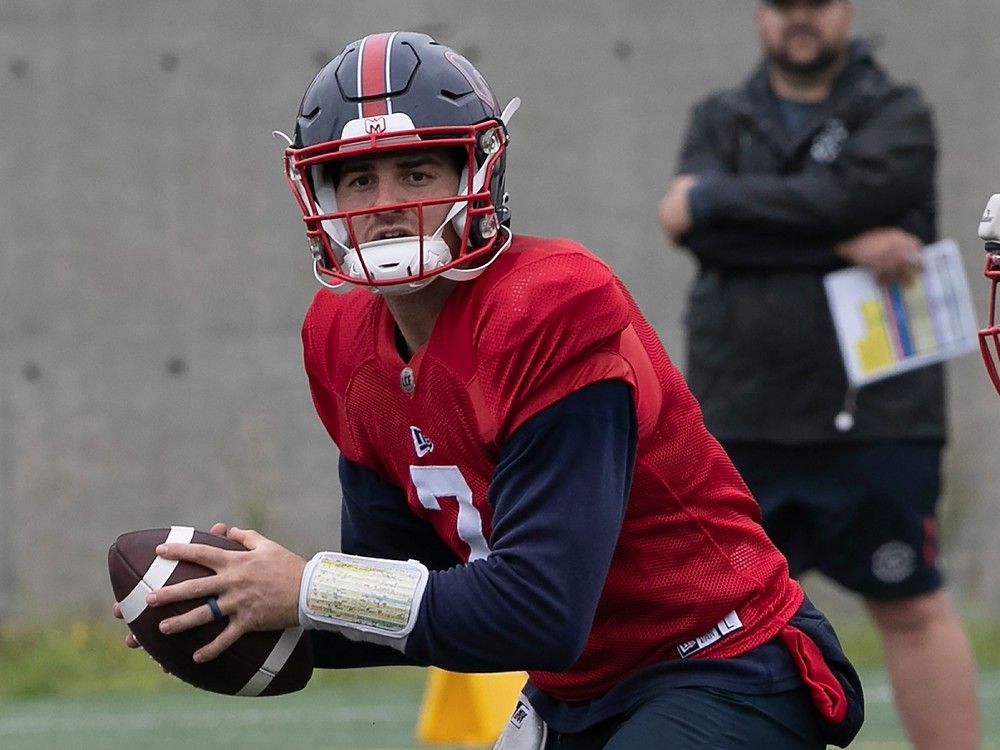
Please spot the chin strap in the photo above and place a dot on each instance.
(508, 112)
(336, 286)
(467, 274)
(458, 209)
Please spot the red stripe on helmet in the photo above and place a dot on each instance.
(373, 77)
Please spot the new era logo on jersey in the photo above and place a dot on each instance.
(421, 443)
(724, 627)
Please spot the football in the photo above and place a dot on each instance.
(265, 663)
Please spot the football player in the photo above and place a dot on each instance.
(526, 479)
(989, 337)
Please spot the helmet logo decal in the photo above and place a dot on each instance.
(473, 76)
(374, 60)
(374, 125)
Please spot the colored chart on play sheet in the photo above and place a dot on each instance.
(887, 329)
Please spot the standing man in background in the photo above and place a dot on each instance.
(816, 162)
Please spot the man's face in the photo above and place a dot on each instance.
(402, 177)
(805, 36)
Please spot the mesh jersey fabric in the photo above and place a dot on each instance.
(547, 318)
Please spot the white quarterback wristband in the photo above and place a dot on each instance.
(363, 598)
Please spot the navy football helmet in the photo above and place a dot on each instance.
(989, 337)
(383, 94)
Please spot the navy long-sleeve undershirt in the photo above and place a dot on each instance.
(558, 493)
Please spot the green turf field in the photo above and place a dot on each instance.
(376, 710)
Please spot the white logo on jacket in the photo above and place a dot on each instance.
(829, 142)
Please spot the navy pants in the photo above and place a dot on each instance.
(694, 718)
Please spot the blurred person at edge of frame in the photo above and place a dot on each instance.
(989, 336)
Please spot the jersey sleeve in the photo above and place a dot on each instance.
(550, 328)
(559, 494)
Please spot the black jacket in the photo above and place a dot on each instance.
(762, 354)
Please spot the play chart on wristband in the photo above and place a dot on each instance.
(887, 329)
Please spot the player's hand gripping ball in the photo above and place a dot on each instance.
(264, 663)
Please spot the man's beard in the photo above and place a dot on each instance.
(825, 60)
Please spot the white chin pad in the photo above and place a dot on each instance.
(362, 598)
(396, 259)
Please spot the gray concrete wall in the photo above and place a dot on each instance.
(153, 271)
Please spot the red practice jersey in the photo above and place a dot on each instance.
(692, 576)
